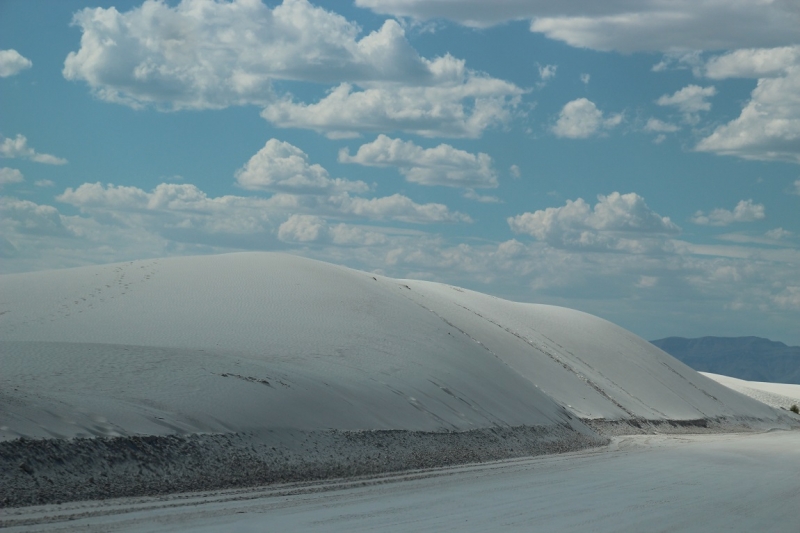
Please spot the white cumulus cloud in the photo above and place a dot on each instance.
(10, 175)
(546, 73)
(36, 236)
(209, 54)
(580, 119)
(173, 208)
(768, 127)
(118, 222)
(302, 228)
(752, 63)
(26, 217)
(745, 211)
(470, 194)
(617, 222)
(283, 168)
(12, 62)
(690, 100)
(395, 207)
(457, 102)
(778, 234)
(18, 147)
(659, 126)
(441, 165)
(311, 228)
(280, 166)
(186, 206)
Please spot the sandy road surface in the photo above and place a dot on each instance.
(730, 482)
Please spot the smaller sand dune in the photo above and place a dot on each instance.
(780, 395)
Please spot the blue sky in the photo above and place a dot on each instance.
(636, 160)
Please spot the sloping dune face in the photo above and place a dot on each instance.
(262, 341)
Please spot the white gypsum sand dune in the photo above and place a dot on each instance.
(242, 342)
(781, 395)
(274, 356)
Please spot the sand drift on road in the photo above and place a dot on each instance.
(197, 373)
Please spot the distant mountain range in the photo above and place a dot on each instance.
(750, 358)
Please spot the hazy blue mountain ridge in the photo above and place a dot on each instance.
(750, 358)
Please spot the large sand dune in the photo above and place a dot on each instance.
(273, 344)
